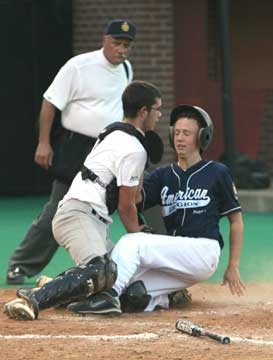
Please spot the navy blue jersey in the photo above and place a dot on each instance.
(192, 201)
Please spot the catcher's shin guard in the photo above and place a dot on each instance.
(99, 274)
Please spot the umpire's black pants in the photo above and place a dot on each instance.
(38, 246)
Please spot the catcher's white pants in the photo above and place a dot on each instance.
(164, 263)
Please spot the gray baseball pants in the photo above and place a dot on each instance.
(80, 231)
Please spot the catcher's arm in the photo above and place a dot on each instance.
(232, 274)
(127, 208)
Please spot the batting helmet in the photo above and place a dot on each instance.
(205, 132)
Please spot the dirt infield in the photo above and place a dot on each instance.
(248, 321)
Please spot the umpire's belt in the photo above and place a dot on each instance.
(93, 211)
(89, 174)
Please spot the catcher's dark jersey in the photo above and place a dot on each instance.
(192, 201)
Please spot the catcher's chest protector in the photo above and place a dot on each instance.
(112, 190)
(129, 129)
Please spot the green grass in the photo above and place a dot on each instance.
(16, 215)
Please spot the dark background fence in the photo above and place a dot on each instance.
(36, 40)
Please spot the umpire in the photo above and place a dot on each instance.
(87, 90)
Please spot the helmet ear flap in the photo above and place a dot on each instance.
(204, 138)
(171, 136)
(205, 134)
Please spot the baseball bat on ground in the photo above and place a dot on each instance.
(190, 328)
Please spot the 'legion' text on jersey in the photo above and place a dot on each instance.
(183, 199)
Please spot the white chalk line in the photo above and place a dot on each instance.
(143, 336)
(239, 340)
(165, 332)
(117, 338)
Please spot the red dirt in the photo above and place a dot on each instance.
(247, 320)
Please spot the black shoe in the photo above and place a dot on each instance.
(180, 299)
(102, 303)
(15, 276)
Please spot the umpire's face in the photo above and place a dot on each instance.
(116, 50)
(186, 137)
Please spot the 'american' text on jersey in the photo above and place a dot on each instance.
(191, 198)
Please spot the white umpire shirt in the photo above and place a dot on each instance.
(88, 91)
(120, 155)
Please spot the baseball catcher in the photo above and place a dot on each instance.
(83, 217)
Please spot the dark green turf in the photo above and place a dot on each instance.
(256, 261)
(16, 215)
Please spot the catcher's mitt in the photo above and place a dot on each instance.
(180, 299)
(154, 146)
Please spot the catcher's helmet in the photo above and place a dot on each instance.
(205, 132)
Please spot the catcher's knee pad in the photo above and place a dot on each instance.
(135, 298)
(69, 270)
(111, 272)
(103, 272)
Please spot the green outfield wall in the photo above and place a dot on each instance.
(17, 213)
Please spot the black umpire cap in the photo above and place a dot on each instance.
(120, 28)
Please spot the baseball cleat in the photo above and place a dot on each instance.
(180, 298)
(28, 296)
(19, 309)
(103, 303)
